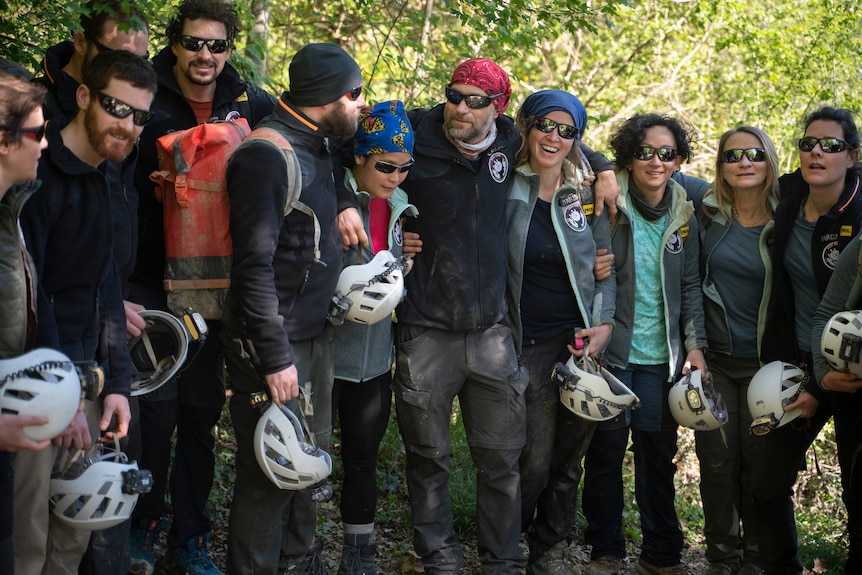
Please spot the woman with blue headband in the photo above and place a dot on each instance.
(554, 297)
(361, 396)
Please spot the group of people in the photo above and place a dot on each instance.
(527, 248)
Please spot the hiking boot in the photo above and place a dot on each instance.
(358, 560)
(720, 569)
(750, 569)
(645, 568)
(142, 541)
(314, 563)
(193, 559)
(549, 560)
(606, 565)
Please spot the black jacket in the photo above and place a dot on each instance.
(277, 290)
(68, 227)
(458, 281)
(173, 112)
(832, 232)
(61, 102)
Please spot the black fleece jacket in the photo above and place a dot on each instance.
(68, 228)
(832, 232)
(278, 293)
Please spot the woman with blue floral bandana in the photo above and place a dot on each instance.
(361, 396)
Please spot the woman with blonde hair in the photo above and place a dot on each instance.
(735, 221)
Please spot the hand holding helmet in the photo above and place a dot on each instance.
(370, 292)
(841, 342)
(695, 403)
(774, 386)
(42, 382)
(590, 391)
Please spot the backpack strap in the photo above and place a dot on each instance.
(294, 178)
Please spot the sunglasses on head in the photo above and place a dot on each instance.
(474, 101)
(102, 48)
(119, 109)
(354, 93)
(195, 44)
(828, 145)
(646, 153)
(735, 155)
(546, 125)
(388, 168)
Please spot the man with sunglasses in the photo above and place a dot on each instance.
(196, 84)
(68, 227)
(273, 335)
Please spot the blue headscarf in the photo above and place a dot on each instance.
(543, 102)
(383, 128)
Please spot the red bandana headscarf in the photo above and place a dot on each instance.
(485, 74)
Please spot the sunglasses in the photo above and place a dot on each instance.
(646, 153)
(36, 133)
(119, 109)
(388, 168)
(828, 145)
(102, 48)
(474, 101)
(354, 93)
(735, 155)
(194, 44)
(546, 125)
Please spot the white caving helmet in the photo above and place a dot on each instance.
(373, 290)
(774, 386)
(841, 342)
(286, 452)
(591, 391)
(41, 382)
(162, 348)
(97, 488)
(696, 404)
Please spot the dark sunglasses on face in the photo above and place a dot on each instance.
(102, 48)
(354, 93)
(646, 153)
(828, 145)
(735, 155)
(388, 168)
(36, 133)
(474, 101)
(195, 44)
(546, 125)
(119, 109)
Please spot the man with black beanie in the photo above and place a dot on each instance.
(273, 335)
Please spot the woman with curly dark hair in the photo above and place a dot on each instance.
(659, 333)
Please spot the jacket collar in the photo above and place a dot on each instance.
(61, 84)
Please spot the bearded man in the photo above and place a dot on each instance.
(68, 228)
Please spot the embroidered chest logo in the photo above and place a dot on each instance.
(573, 212)
(674, 243)
(830, 255)
(498, 164)
(396, 233)
(232, 116)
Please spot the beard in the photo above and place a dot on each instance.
(99, 139)
(201, 80)
(340, 123)
(474, 132)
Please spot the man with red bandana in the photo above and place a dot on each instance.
(449, 338)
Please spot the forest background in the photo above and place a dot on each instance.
(714, 64)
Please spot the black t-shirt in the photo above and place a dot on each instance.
(548, 304)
